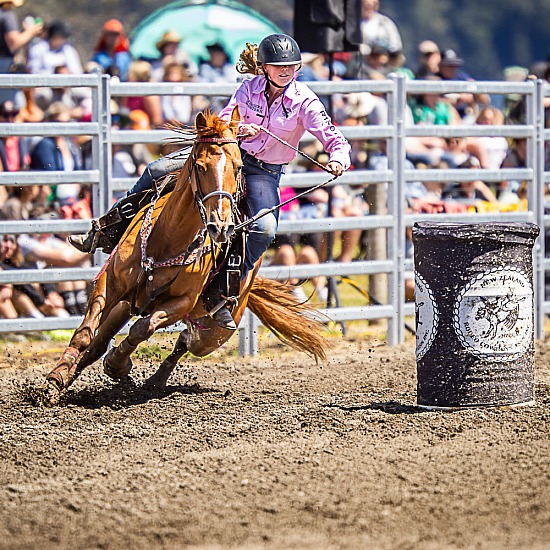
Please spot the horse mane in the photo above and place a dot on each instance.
(214, 127)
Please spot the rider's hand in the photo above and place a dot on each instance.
(250, 130)
(335, 168)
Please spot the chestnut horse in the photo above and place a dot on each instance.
(162, 264)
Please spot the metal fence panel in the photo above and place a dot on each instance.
(395, 222)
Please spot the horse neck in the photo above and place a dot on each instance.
(180, 221)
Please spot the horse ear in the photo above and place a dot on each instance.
(235, 119)
(200, 121)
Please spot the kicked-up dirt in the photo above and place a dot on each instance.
(267, 452)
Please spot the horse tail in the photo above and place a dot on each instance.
(297, 324)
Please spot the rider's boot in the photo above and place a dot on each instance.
(86, 242)
(107, 230)
(216, 306)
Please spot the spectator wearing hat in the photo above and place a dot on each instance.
(217, 69)
(112, 51)
(171, 52)
(374, 64)
(429, 57)
(376, 27)
(450, 68)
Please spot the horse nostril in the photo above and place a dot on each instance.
(212, 229)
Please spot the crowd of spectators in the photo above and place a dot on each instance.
(36, 47)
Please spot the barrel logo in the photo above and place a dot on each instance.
(493, 315)
(427, 316)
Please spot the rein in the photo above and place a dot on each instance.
(281, 204)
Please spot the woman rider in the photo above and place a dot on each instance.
(273, 100)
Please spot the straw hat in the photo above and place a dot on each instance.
(16, 3)
(169, 37)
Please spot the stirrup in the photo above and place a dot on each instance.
(223, 316)
(86, 242)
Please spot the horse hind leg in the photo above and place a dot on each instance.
(158, 380)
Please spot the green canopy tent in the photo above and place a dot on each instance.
(200, 23)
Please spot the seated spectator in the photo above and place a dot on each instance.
(55, 50)
(470, 190)
(430, 57)
(315, 205)
(20, 202)
(113, 49)
(288, 254)
(45, 251)
(13, 40)
(465, 103)
(26, 300)
(57, 153)
(47, 55)
(491, 151)
(432, 108)
(457, 152)
(515, 158)
(217, 68)
(177, 107)
(14, 153)
(396, 64)
(374, 64)
(140, 71)
(376, 27)
(170, 52)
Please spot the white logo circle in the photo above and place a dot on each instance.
(427, 316)
(493, 315)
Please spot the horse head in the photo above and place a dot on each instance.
(217, 167)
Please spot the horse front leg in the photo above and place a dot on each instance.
(63, 374)
(117, 363)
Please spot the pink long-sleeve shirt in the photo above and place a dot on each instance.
(303, 112)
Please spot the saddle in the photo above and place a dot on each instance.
(112, 225)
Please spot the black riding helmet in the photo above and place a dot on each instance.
(279, 49)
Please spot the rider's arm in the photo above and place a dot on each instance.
(317, 122)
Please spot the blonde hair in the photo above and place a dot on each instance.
(140, 71)
(248, 60)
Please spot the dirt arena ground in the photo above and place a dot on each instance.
(268, 452)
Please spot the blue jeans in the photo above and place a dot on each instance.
(262, 193)
(155, 170)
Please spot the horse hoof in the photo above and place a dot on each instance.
(51, 394)
(116, 372)
(155, 384)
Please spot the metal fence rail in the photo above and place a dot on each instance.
(394, 178)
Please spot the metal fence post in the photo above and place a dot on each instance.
(396, 244)
(248, 334)
(101, 145)
(535, 161)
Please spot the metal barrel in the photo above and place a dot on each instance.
(474, 313)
